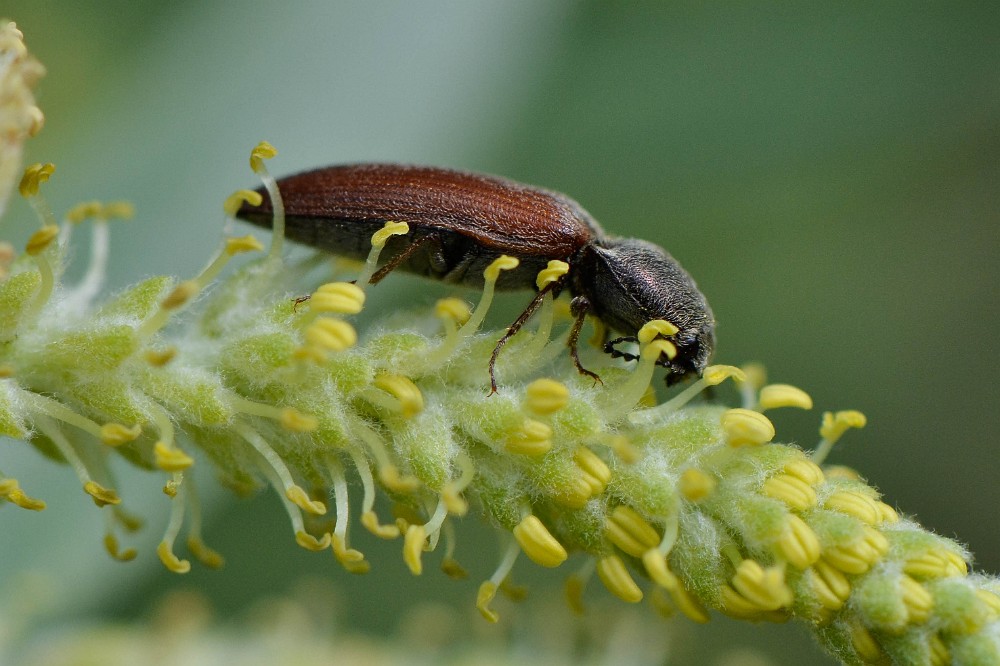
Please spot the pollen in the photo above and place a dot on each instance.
(615, 576)
(546, 396)
(409, 397)
(41, 239)
(533, 438)
(774, 396)
(538, 543)
(629, 531)
(235, 200)
(745, 427)
(116, 434)
(695, 485)
(551, 273)
(171, 459)
(338, 298)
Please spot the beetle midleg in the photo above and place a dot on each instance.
(580, 307)
(609, 348)
(403, 256)
(522, 318)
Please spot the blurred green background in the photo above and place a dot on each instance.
(828, 172)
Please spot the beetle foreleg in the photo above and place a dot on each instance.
(580, 307)
(522, 318)
(609, 348)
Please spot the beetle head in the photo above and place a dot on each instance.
(630, 282)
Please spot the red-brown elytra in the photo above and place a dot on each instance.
(460, 222)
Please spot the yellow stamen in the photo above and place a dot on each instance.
(865, 645)
(370, 522)
(41, 239)
(171, 561)
(488, 590)
(485, 596)
(413, 546)
(596, 472)
(859, 556)
(695, 484)
(791, 490)
(102, 496)
(853, 503)
(453, 309)
(491, 274)
(11, 491)
(309, 542)
(331, 334)
(745, 427)
(575, 586)
(940, 655)
(555, 270)
(713, 375)
(763, 588)
(116, 434)
(774, 396)
(204, 554)
(84, 211)
(937, 563)
(294, 420)
(160, 357)
(338, 298)
(299, 498)
(391, 478)
(235, 200)
(889, 514)
(798, 543)
(533, 438)
(111, 545)
(830, 585)
(241, 244)
(546, 396)
(538, 543)
(35, 175)
(917, 599)
(612, 572)
(380, 237)
(117, 210)
(806, 470)
(629, 531)
(171, 458)
(180, 295)
(410, 399)
(624, 449)
(833, 428)
(652, 329)
(262, 151)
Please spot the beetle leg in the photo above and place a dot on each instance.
(401, 258)
(609, 348)
(522, 318)
(579, 306)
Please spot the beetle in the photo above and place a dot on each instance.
(460, 222)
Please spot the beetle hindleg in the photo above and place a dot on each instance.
(403, 256)
(522, 318)
(609, 348)
(580, 307)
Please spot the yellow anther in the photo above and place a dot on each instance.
(411, 400)
(235, 200)
(917, 599)
(6, 371)
(860, 555)
(695, 484)
(382, 236)
(394, 481)
(835, 425)
(35, 175)
(764, 588)
(745, 427)
(655, 563)
(855, 504)
(454, 503)
(940, 654)
(338, 298)
(889, 514)
(487, 591)
(262, 151)
(240, 244)
(784, 395)
(181, 294)
(937, 563)
(116, 434)
(501, 263)
(160, 357)
(806, 470)
(654, 349)
(297, 496)
(991, 600)
(331, 334)
(538, 543)
(630, 531)
(37, 120)
(453, 309)
(624, 449)
(344, 554)
(865, 645)
(452, 569)
(118, 210)
(512, 591)
(111, 545)
(211, 558)
(533, 438)
(41, 239)
(555, 270)
(616, 578)
(294, 420)
(841, 472)
(171, 561)
(596, 470)
(830, 585)
(310, 353)
(798, 543)
(546, 396)
(171, 459)
(791, 490)
(11, 491)
(716, 374)
(655, 328)
(754, 374)
(574, 594)
(170, 488)
(413, 548)
(102, 496)
(574, 492)
(309, 542)
(84, 211)
(370, 522)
